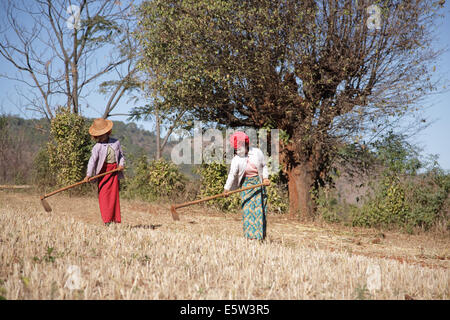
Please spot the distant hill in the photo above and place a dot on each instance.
(136, 140)
(33, 134)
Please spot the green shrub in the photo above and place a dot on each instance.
(427, 196)
(399, 196)
(213, 177)
(165, 178)
(69, 147)
(277, 195)
(413, 202)
(136, 184)
(154, 179)
(387, 208)
(327, 206)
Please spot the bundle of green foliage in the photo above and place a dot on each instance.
(388, 207)
(329, 208)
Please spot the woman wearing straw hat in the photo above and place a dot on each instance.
(106, 155)
(248, 167)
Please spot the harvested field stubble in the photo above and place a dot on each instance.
(200, 257)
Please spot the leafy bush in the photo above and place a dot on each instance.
(427, 196)
(277, 195)
(387, 208)
(154, 179)
(213, 177)
(398, 195)
(69, 147)
(136, 183)
(327, 205)
(405, 198)
(419, 201)
(165, 178)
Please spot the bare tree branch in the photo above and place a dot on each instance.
(61, 62)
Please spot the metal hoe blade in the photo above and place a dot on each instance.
(174, 213)
(46, 205)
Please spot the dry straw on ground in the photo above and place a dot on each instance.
(69, 254)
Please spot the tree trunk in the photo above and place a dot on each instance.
(75, 73)
(300, 200)
(158, 135)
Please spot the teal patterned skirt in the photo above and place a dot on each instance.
(254, 203)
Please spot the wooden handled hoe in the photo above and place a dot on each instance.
(174, 207)
(47, 206)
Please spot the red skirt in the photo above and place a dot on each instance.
(108, 194)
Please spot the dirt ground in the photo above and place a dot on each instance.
(426, 250)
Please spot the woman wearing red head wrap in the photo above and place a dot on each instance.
(248, 167)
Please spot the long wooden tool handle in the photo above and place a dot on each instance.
(217, 196)
(78, 183)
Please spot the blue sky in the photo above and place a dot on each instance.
(436, 138)
(433, 140)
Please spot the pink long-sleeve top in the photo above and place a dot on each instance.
(251, 170)
(99, 154)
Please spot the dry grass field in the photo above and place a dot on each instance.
(204, 256)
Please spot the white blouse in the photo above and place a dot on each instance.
(239, 164)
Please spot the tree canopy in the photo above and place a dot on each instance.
(324, 72)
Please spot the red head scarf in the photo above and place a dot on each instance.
(238, 138)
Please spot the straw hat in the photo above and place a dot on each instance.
(100, 127)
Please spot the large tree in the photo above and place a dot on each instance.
(63, 49)
(325, 72)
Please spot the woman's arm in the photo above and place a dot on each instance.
(121, 156)
(92, 162)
